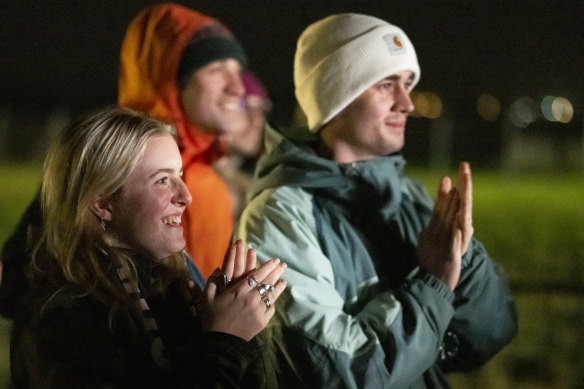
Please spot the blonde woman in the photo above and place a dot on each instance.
(111, 301)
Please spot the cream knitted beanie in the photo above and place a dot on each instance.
(339, 57)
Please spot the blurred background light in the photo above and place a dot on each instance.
(562, 110)
(427, 104)
(522, 112)
(546, 108)
(488, 107)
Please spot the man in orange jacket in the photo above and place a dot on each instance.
(184, 67)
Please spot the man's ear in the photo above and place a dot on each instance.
(101, 208)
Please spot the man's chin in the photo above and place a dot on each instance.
(233, 130)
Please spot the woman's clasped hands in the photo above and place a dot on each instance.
(239, 299)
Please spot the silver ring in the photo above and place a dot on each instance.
(265, 288)
(262, 290)
(266, 301)
(251, 281)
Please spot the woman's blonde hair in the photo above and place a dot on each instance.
(90, 160)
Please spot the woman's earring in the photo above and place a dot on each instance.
(102, 223)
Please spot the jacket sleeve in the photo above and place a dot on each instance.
(391, 341)
(219, 360)
(485, 319)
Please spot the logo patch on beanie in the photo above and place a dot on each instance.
(394, 44)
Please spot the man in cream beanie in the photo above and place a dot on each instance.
(357, 49)
(386, 288)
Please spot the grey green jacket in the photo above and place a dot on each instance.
(358, 312)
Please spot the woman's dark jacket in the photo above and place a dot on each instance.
(72, 341)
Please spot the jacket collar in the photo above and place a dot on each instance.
(291, 160)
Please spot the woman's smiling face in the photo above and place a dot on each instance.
(146, 212)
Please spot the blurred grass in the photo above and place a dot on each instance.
(20, 183)
(533, 225)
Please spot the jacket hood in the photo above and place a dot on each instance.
(150, 57)
(290, 160)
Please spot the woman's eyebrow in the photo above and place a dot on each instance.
(162, 170)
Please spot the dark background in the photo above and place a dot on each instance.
(63, 55)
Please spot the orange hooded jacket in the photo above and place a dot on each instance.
(150, 58)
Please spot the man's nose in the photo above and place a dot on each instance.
(403, 101)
